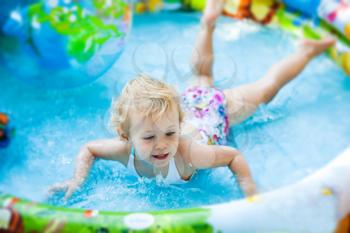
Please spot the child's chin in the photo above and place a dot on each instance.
(160, 163)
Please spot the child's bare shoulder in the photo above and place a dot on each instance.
(111, 149)
(183, 160)
(184, 148)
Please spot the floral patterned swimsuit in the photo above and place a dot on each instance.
(205, 109)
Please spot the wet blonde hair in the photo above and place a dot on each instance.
(149, 97)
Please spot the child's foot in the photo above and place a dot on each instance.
(213, 9)
(316, 47)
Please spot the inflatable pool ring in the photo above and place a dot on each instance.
(260, 11)
(5, 131)
(330, 17)
(12, 219)
(142, 6)
(306, 7)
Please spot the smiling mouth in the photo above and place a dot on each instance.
(161, 156)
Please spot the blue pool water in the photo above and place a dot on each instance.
(304, 127)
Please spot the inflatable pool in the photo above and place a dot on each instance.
(297, 149)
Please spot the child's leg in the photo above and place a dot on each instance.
(244, 100)
(202, 57)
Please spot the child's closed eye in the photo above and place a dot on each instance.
(149, 137)
(170, 134)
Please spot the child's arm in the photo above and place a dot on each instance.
(207, 156)
(110, 149)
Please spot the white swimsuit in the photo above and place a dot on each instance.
(173, 176)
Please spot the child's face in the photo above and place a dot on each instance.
(155, 141)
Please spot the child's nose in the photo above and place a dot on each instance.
(160, 146)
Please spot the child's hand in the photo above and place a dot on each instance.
(69, 187)
(249, 187)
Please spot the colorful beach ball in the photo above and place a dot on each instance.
(62, 43)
